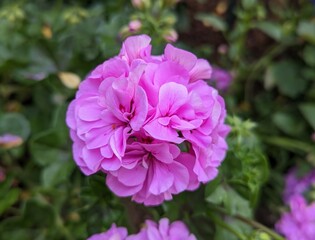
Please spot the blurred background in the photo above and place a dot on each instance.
(263, 55)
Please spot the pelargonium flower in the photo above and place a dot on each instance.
(299, 223)
(114, 233)
(222, 78)
(163, 231)
(149, 122)
(295, 185)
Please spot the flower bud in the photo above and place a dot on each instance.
(134, 25)
(171, 36)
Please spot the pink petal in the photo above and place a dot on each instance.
(141, 109)
(170, 72)
(132, 177)
(202, 70)
(135, 45)
(160, 151)
(111, 164)
(181, 177)
(120, 189)
(93, 158)
(184, 58)
(162, 180)
(118, 141)
(158, 131)
(171, 97)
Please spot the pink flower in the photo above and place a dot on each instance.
(114, 233)
(295, 185)
(133, 114)
(163, 231)
(221, 78)
(134, 25)
(299, 223)
(10, 141)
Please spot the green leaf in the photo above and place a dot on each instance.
(8, 199)
(272, 29)
(15, 123)
(288, 123)
(308, 111)
(39, 214)
(309, 55)
(231, 200)
(56, 173)
(212, 185)
(286, 75)
(211, 20)
(306, 30)
(45, 148)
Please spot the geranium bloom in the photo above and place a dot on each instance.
(149, 122)
(299, 223)
(163, 231)
(295, 185)
(114, 233)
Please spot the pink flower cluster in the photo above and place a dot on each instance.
(152, 231)
(299, 224)
(149, 122)
(295, 185)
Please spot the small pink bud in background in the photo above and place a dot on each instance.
(222, 49)
(8, 141)
(134, 25)
(171, 36)
(313, 137)
(141, 4)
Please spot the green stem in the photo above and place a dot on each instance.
(258, 225)
(290, 144)
(248, 221)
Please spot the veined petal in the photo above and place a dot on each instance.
(202, 70)
(132, 177)
(158, 131)
(120, 189)
(162, 179)
(171, 97)
(184, 58)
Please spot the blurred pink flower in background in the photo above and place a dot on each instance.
(132, 114)
(299, 222)
(295, 185)
(10, 141)
(222, 78)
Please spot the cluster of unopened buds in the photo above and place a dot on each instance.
(151, 123)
